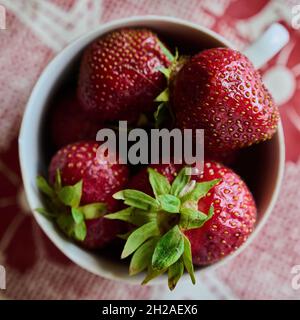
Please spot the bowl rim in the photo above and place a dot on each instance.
(76, 46)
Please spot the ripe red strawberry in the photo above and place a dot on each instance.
(233, 220)
(234, 210)
(78, 161)
(80, 193)
(100, 232)
(68, 123)
(220, 91)
(119, 76)
(184, 219)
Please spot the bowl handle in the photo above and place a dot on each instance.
(267, 45)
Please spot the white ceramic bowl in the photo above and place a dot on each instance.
(267, 158)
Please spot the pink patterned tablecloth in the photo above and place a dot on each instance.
(35, 31)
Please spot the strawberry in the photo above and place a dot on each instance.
(219, 90)
(101, 232)
(233, 220)
(80, 193)
(184, 220)
(68, 123)
(119, 76)
(78, 161)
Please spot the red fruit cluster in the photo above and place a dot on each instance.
(175, 220)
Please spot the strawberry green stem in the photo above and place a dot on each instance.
(63, 206)
(164, 110)
(160, 222)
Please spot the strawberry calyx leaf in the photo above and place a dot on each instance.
(163, 96)
(166, 72)
(137, 199)
(164, 111)
(151, 274)
(166, 51)
(62, 204)
(168, 250)
(158, 243)
(159, 183)
(138, 237)
(133, 215)
(188, 259)
(70, 195)
(142, 256)
(181, 180)
(199, 191)
(77, 215)
(175, 272)
(169, 203)
(191, 218)
(57, 183)
(93, 210)
(44, 187)
(124, 236)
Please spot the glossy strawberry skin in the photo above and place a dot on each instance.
(78, 161)
(100, 181)
(68, 122)
(219, 90)
(119, 75)
(233, 220)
